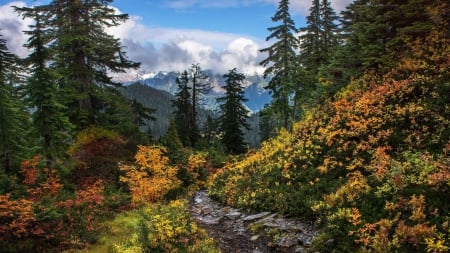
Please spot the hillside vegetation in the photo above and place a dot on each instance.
(357, 136)
(370, 166)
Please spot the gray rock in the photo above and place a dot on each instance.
(256, 216)
(271, 224)
(288, 241)
(294, 235)
(300, 250)
(254, 238)
(233, 214)
(209, 220)
(329, 243)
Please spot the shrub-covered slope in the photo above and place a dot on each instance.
(370, 166)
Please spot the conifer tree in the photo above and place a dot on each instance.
(267, 123)
(281, 61)
(199, 87)
(51, 125)
(234, 114)
(173, 143)
(310, 41)
(183, 111)
(141, 113)
(210, 129)
(377, 31)
(330, 30)
(13, 117)
(320, 36)
(85, 54)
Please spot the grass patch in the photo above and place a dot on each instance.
(159, 227)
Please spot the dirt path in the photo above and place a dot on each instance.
(229, 227)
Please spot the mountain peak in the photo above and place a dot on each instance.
(166, 80)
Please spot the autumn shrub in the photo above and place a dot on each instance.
(367, 148)
(96, 152)
(42, 216)
(166, 228)
(151, 177)
(16, 220)
(371, 166)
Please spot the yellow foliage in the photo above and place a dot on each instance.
(438, 244)
(356, 186)
(418, 206)
(151, 177)
(195, 161)
(94, 133)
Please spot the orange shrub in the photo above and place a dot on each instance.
(151, 177)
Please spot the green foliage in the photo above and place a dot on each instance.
(281, 61)
(96, 153)
(183, 113)
(191, 86)
(83, 54)
(234, 115)
(370, 166)
(164, 228)
(151, 98)
(51, 125)
(320, 36)
(172, 142)
(14, 119)
(376, 33)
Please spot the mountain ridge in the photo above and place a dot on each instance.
(254, 85)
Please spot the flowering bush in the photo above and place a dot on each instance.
(151, 177)
(371, 166)
(166, 228)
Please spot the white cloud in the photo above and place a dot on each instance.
(243, 54)
(302, 7)
(339, 5)
(185, 4)
(12, 27)
(159, 48)
(176, 49)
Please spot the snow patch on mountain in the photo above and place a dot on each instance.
(166, 80)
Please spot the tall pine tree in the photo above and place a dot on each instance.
(51, 125)
(319, 39)
(281, 61)
(320, 36)
(310, 40)
(330, 34)
(183, 110)
(376, 33)
(199, 87)
(13, 117)
(85, 54)
(234, 114)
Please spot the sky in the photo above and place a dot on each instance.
(171, 35)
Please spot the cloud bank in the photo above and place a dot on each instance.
(172, 49)
(12, 27)
(300, 7)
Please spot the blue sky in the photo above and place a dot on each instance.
(166, 35)
(250, 19)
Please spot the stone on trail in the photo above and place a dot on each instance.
(256, 216)
(230, 227)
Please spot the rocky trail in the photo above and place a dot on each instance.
(237, 231)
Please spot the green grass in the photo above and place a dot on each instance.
(118, 230)
(160, 227)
